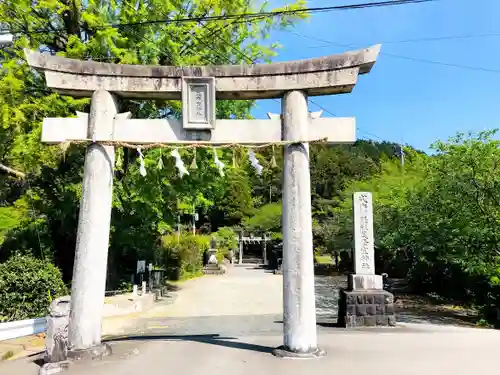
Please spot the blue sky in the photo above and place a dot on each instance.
(404, 100)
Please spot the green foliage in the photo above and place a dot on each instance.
(27, 287)
(11, 217)
(182, 258)
(266, 219)
(437, 219)
(226, 239)
(144, 209)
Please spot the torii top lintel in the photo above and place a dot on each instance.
(334, 74)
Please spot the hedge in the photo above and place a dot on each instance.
(27, 287)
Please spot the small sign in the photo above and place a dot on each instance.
(198, 102)
(196, 216)
(150, 267)
(141, 266)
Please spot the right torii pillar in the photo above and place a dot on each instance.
(299, 302)
(299, 306)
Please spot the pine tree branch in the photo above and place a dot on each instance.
(12, 171)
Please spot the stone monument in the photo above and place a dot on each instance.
(56, 342)
(212, 259)
(198, 87)
(213, 267)
(365, 302)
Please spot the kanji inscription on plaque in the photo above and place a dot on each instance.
(198, 102)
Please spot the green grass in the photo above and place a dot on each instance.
(324, 259)
(7, 355)
(191, 275)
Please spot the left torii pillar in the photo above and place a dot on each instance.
(92, 241)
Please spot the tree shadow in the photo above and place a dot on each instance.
(419, 309)
(172, 287)
(325, 323)
(212, 339)
(327, 270)
(331, 324)
(419, 315)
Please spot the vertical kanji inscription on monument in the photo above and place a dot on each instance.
(364, 254)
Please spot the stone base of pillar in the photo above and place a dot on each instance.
(95, 353)
(54, 368)
(366, 308)
(284, 352)
(214, 269)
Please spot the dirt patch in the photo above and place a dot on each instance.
(15, 348)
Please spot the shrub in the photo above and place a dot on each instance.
(27, 287)
(183, 259)
(226, 240)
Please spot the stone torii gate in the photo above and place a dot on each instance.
(198, 87)
(251, 239)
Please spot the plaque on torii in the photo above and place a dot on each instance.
(199, 87)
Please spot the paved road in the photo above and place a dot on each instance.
(229, 324)
(246, 301)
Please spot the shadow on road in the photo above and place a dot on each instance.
(410, 315)
(421, 309)
(212, 339)
(325, 323)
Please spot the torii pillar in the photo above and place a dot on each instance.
(198, 87)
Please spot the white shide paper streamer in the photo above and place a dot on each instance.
(179, 164)
(142, 166)
(255, 162)
(220, 165)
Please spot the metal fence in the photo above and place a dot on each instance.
(20, 328)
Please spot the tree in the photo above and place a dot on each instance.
(436, 220)
(333, 169)
(118, 31)
(266, 219)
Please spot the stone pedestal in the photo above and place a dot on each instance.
(366, 308)
(365, 282)
(56, 340)
(213, 267)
